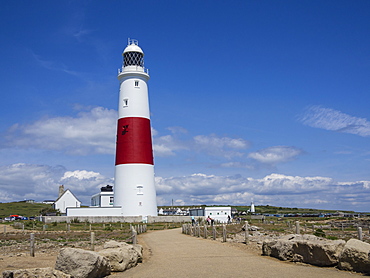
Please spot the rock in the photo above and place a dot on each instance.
(304, 248)
(355, 256)
(121, 256)
(81, 263)
(47, 272)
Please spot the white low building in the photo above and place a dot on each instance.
(66, 200)
(104, 198)
(219, 214)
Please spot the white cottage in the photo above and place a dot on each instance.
(66, 200)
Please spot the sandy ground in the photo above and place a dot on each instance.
(172, 254)
(169, 253)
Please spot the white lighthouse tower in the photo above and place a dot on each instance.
(134, 189)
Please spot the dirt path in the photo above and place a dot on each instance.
(173, 254)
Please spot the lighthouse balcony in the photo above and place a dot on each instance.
(133, 69)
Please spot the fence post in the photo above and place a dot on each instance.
(4, 229)
(92, 241)
(198, 228)
(342, 227)
(224, 233)
(205, 231)
(359, 233)
(32, 244)
(90, 228)
(214, 233)
(246, 234)
(297, 228)
(68, 227)
(134, 237)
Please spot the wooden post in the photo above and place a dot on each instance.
(43, 228)
(134, 237)
(246, 234)
(205, 231)
(342, 227)
(359, 233)
(68, 227)
(223, 233)
(32, 244)
(90, 228)
(198, 228)
(214, 232)
(103, 226)
(305, 228)
(23, 227)
(297, 228)
(4, 229)
(92, 241)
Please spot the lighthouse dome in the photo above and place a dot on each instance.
(133, 55)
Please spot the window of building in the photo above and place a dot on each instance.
(136, 83)
(125, 102)
(139, 189)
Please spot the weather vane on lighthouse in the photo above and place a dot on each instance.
(134, 171)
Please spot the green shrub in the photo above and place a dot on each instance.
(319, 233)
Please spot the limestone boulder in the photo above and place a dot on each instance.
(81, 263)
(355, 256)
(47, 272)
(304, 248)
(121, 256)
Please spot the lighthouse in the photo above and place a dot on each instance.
(134, 189)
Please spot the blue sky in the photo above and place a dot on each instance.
(250, 100)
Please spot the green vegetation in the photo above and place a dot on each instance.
(22, 208)
(281, 210)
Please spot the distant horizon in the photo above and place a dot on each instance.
(298, 208)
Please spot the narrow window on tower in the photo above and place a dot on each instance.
(136, 83)
(139, 189)
(125, 102)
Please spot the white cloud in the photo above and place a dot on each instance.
(220, 146)
(90, 132)
(274, 189)
(27, 181)
(40, 182)
(277, 154)
(167, 145)
(330, 119)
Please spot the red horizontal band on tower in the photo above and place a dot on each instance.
(134, 141)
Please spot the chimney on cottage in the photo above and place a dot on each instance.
(61, 190)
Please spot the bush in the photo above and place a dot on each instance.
(319, 233)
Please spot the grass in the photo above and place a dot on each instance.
(21, 208)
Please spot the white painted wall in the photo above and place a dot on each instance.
(67, 200)
(134, 189)
(218, 213)
(102, 199)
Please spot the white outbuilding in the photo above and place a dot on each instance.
(66, 200)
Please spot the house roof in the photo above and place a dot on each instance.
(65, 193)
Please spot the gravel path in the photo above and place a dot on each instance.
(172, 254)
